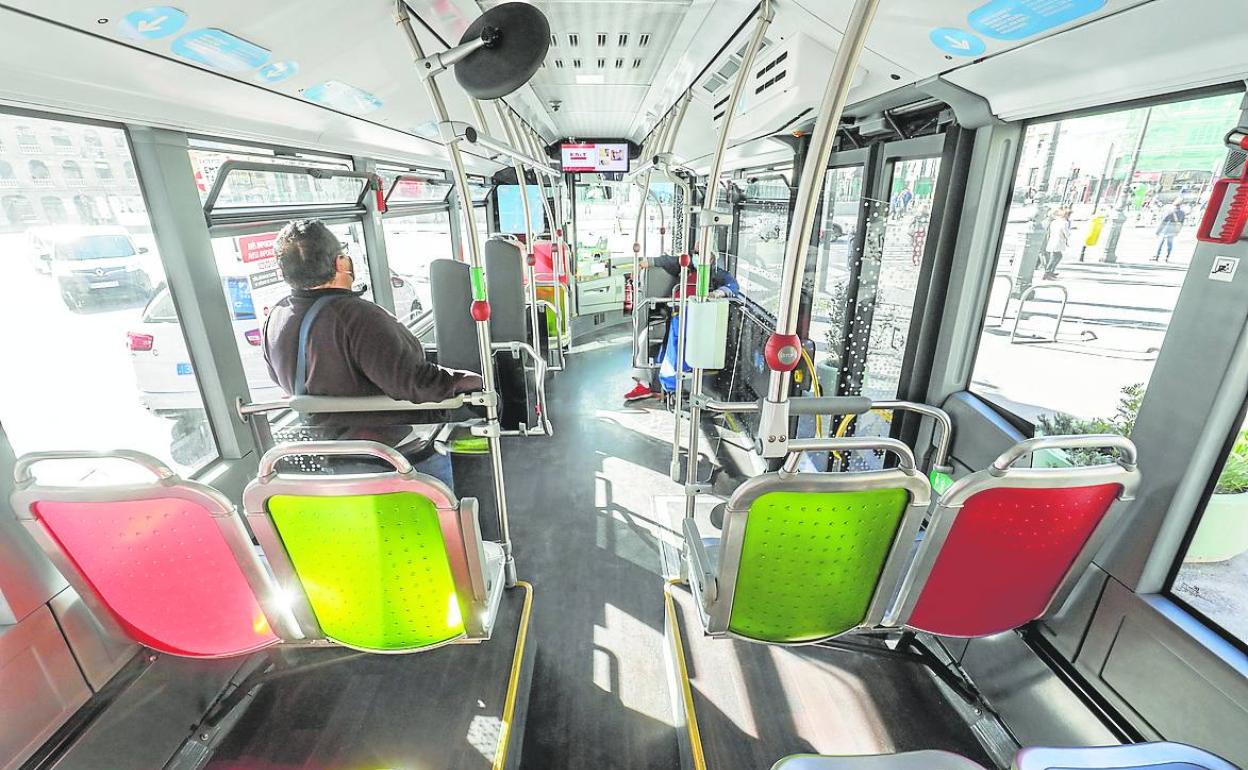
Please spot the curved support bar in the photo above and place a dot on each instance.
(799, 446)
(22, 468)
(1009, 282)
(944, 436)
(810, 405)
(1022, 302)
(339, 404)
(337, 448)
(1121, 444)
(640, 317)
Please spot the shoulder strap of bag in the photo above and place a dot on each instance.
(301, 360)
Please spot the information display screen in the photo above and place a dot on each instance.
(594, 157)
(511, 210)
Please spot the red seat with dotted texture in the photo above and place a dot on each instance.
(1006, 555)
(163, 569)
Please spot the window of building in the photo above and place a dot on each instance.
(39, 171)
(54, 209)
(103, 171)
(1103, 216)
(6, 170)
(72, 172)
(412, 243)
(91, 139)
(128, 169)
(1209, 576)
(98, 372)
(27, 141)
(61, 140)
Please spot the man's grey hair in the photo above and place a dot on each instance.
(306, 250)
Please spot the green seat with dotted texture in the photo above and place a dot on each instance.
(374, 568)
(810, 562)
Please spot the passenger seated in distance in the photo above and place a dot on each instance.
(723, 284)
(354, 347)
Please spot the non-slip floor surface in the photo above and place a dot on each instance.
(757, 703)
(437, 709)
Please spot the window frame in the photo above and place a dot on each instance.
(1174, 97)
(236, 214)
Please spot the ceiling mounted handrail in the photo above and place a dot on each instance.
(316, 172)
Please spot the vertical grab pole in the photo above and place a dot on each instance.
(555, 244)
(783, 350)
(505, 119)
(765, 14)
(480, 298)
(666, 141)
(560, 261)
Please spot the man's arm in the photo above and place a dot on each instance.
(391, 356)
(725, 282)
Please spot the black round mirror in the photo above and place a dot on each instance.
(517, 37)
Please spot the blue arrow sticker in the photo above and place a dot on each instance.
(277, 71)
(956, 41)
(220, 50)
(1017, 19)
(151, 23)
(342, 97)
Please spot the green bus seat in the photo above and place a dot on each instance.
(382, 562)
(809, 556)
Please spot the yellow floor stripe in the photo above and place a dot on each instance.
(686, 691)
(513, 682)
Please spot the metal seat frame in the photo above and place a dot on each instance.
(476, 566)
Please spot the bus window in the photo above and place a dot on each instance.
(94, 351)
(760, 245)
(253, 285)
(1104, 212)
(260, 188)
(412, 242)
(842, 197)
(1209, 576)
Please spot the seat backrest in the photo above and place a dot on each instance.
(450, 287)
(1162, 755)
(544, 254)
(657, 282)
(385, 562)
(169, 560)
(1004, 546)
(504, 279)
(809, 556)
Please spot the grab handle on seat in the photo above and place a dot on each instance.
(1122, 444)
(338, 448)
(809, 405)
(22, 469)
(797, 447)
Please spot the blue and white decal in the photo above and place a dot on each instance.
(1018, 19)
(275, 72)
(220, 50)
(151, 23)
(957, 42)
(342, 97)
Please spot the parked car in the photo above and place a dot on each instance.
(407, 295)
(91, 263)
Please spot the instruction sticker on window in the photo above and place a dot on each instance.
(1224, 269)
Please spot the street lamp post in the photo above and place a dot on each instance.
(1120, 206)
(1038, 233)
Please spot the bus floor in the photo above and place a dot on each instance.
(595, 522)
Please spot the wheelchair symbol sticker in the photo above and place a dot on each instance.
(1224, 269)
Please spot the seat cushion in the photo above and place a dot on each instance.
(1160, 755)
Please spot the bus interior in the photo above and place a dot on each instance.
(932, 321)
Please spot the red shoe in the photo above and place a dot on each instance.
(639, 393)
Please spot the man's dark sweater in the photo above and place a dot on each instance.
(355, 348)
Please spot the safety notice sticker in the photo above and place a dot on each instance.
(1018, 19)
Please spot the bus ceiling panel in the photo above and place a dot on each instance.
(1146, 50)
(319, 74)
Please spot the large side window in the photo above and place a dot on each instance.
(1097, 241)
(762, 234)
(412, 242)
(1210, 575)
(95, 355)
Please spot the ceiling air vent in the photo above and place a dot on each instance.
(623, 39)
(574, 39)
(786, 82)
(602, 39)
(636, 64)
(643, 40)
(576, 64)
(554, 41)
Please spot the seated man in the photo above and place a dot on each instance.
(353, 347)
(723, 284)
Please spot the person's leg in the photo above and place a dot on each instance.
(1161, 242)
(1169, 246)
(641, 375)
(437, 465)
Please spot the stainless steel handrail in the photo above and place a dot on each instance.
(1022, 302)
